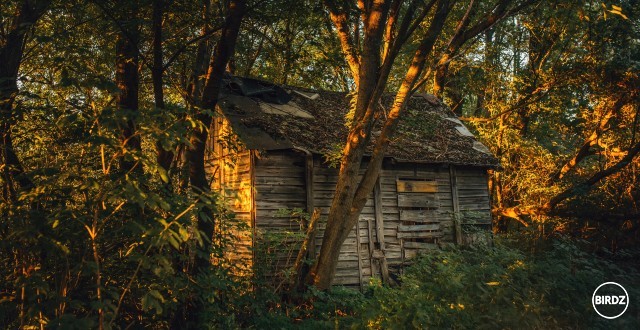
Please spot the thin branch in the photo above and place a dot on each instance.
(197, 39)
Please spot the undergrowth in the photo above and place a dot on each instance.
(520, 282)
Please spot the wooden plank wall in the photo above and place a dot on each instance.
(280, 183)
(474, 204)
(443, 213)
(279, 188)
(230, 171)
(473, 191)
(354, 263)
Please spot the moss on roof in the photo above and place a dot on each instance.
(428, 132)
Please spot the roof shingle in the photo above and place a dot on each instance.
(429, 132)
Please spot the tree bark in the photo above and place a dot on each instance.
(11, 52)
(371, 74)
(351, 193)
(163, 157)
(203, 96)
(195, 153)
(338, 224)
(127, 80)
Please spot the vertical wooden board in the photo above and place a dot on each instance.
(456, 205)
(379, 223)
(309, 196)
(358, 247)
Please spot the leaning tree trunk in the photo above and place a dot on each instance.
(352, 192)
(370, 67)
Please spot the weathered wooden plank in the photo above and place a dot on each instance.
(323, 166)
(398, 172)
(280, 172)
(470, 189)
(309, 195)
(420, 234)
(284, 198)
(280, 181)
(271, 205)
(341, 279)
(471, 180)
(231, 176)
(269, 189)
(388, 195)
(420, 245)
(417, 200)
(412, 186)
(475, 207)
(464, 194)
(471, 200)
(418, 215)
(240, 163)
(411, 253)
(358, 247)
(415, 228)
(236, 180)
(274, 162)
(323, 185)
(319, 178)
(369, 237)
(471, 173)
(326, 202)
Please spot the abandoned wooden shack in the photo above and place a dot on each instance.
(271, 149)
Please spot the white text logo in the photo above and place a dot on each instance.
(610, 300)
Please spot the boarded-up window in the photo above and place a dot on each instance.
(418, 203)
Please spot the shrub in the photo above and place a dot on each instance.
(542, 284)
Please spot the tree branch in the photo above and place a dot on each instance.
(590, 141)
(586, 185)
(341, 21)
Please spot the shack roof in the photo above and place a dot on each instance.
(270, 117)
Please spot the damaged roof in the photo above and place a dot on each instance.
(269, 117)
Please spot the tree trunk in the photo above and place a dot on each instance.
(203, 97)
(11, 52)
(127, 80)
(351, 192)
(164, 157)
(195, 154)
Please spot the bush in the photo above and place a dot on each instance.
(542, 284)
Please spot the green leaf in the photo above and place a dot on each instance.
(153, 300)
(163, 174)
